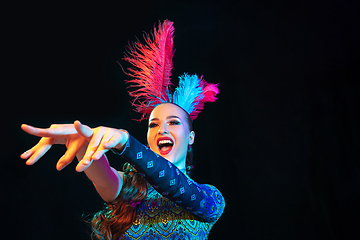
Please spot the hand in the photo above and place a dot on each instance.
(57, 134)
(76, 137)
(102, 140)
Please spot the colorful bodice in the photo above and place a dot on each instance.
(159, 218)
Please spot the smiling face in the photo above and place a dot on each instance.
(169, 134)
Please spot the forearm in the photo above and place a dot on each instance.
(106, 179)
(167, 179)
(202, 200)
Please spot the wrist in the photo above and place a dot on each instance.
(124, 139)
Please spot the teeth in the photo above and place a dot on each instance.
(165, 142)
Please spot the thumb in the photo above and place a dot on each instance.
(83, 130)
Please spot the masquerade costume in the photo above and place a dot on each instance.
(176, 207)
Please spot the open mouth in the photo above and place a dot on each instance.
(165, 145)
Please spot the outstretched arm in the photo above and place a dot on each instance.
(89, 145)
(202, 200)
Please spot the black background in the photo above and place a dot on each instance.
(281, 143)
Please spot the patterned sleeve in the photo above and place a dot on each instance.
(203, 200)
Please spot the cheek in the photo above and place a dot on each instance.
(148, 137)
(151, 139)
(180, 135)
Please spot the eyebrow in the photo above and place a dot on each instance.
(168, 117)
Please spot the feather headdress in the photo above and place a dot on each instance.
(152, 76)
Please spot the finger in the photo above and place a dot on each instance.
(32, 150)
(27, 153)
(99, 153)
(106, 144)
(31, 130)
(115, 140)
(73, 148)
(82, 166)
(93, 146)
(67, 158)
(39, 150)
(83, 130)
(120, 140)
(47, 132)
(101, 150)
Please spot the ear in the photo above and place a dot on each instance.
(191, 137)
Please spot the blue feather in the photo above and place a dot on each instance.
(188, 90)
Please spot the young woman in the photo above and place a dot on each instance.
(153, 197)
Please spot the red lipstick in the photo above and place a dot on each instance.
(165, 145)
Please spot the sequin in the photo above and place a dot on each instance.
(159, 218)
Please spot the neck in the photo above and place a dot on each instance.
(180, 164)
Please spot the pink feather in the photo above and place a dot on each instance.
(153, 65)
(208, 94)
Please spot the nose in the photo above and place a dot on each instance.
(163, 129)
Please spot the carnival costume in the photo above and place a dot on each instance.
(176, 207)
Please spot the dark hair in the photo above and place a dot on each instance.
(190, 153)
(117, 217)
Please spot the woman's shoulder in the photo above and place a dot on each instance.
(213, 192)
(213, 203)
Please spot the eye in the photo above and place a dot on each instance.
(174, 122)
(152, 125)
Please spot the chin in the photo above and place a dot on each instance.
(168, 157)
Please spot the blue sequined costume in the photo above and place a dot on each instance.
(176, 207)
